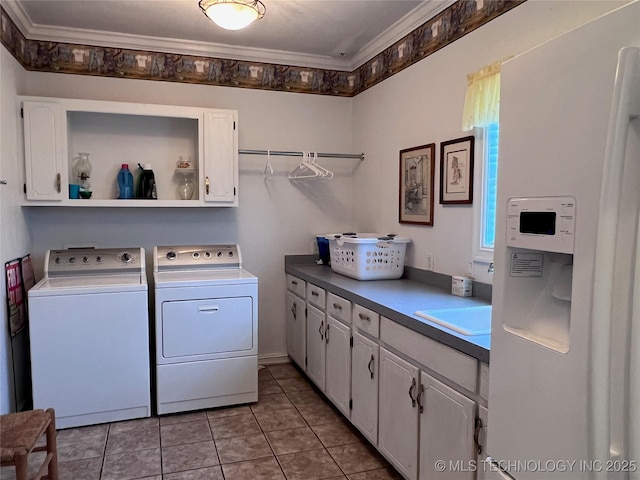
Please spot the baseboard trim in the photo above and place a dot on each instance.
(273, 359)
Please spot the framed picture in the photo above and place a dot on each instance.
(416, 184)
(456, 171)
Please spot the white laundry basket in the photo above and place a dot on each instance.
(367, 256)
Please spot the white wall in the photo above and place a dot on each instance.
(14, 238)
(423, 104)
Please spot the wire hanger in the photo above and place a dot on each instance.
(268, 169)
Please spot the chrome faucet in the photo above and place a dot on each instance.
(490, 269)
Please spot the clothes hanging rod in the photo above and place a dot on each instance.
(279, 153)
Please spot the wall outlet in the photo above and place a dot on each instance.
(431, 262)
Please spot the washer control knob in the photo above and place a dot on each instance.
(57, 260)
(219, 254)
(231, 253)
(99, 259)
(196, 255)
(171, 255)
(85, 259)
(126, 257)
(72, 259)
(207, 254)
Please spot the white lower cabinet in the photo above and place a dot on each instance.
(296, 329)
(447, 425)
(338, 364)
(398, 413)
(316, 328)
(364, 386)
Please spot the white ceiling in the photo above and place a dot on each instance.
(336, 34)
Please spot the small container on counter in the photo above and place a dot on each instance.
(461, 286)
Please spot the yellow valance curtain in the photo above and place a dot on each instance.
(482, 102)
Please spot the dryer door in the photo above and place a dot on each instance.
(207, 327)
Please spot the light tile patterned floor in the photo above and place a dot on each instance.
(292, 433)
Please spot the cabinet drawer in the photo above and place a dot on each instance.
(295, 285)
(316, 296)
(448, 362)
(339, 308)
(366, 320)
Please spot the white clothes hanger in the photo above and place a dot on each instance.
(305, 169)
(268, 169)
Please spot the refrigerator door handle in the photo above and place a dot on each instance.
(624, 107)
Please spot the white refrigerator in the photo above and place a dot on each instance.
(564, 399)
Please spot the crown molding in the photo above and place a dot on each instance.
(178, 46)
(399, 30)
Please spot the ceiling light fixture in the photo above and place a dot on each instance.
(233, 14)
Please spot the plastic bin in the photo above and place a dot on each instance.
(367, 256)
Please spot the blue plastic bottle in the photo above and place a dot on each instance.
(125, 182)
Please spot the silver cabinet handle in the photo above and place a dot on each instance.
(320, 330)
(208, 309)
(364, 317)
(206, 185)
(370, 365)
(411, 389)
(420, 395)
(58, 183)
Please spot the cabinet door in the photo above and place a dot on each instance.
(296, 329)
(220, 157)
(315, 345)
(446, 432)
(47, 177)
(338, 372)
(398, 414)
(364, 386)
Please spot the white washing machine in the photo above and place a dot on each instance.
(206, 328)
(89, 336)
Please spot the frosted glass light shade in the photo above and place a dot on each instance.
(233, 14)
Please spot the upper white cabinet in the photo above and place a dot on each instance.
(114, 133)
(44, 151)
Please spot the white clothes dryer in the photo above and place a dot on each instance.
(206, 329)
(89, 336)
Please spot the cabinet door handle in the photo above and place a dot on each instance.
(58, 183)
(320, 330)
(326, 334)
(294, 309)
(314, 294)
(293, 282)
(364, 317)
(337, 307)
(411, 389)
(206, 185)
(371, 365)
(476, 435)
(420, 395)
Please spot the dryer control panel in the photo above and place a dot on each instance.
(197, 257)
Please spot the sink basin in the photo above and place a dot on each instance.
(474, 320)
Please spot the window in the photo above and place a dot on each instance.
(489, 186)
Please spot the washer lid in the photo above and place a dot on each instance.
(198, 278)
(87, 284)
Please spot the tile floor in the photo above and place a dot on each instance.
(291, 433)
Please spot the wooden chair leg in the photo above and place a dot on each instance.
(22, 465)
(52, 446)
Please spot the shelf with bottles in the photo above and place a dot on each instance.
(107, 135)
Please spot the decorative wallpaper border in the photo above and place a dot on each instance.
(453, 23)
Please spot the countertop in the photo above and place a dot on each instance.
(398, 300)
